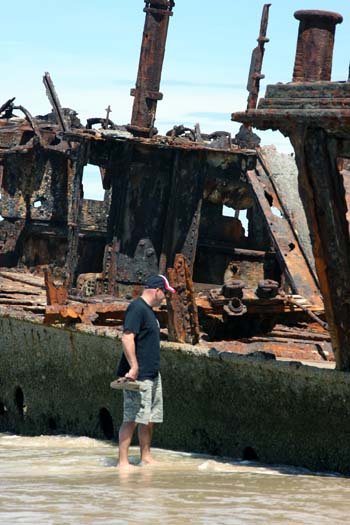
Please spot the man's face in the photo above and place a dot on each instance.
(159, 296)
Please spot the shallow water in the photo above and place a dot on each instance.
(68, 480)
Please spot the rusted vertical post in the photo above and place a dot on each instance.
(314, 54)
(147, 92)
(75, 166)
(323, 196)
(255, 74)
(183, 324)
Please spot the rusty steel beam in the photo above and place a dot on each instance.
(314, 54)
(289, 253)
(55, 103)
(147, 92)
(314, 113)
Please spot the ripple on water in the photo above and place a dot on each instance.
(65, 479)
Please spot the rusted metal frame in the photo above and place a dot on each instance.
(146, 92)
(286, 215)
(76, 160)
(181, 229)
(10, 245)
(168, 227)
(32, 123)
(287, 299)
(84, 313)
(55, 294)
(323, 196)
(255, 74)
(118, 166)
(183, 324)
(284, 239)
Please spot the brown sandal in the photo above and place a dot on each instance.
(125, 383)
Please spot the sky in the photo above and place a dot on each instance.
(91, 49)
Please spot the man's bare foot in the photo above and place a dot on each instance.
(148, 461)
(127, 466)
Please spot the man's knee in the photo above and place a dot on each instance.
(127, 428)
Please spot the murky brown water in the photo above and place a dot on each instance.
(67, 480)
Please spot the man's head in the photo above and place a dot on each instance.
(155, 289)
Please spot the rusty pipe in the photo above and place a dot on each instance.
(147, 92)
(314, 54)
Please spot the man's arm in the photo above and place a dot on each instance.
(128, 342)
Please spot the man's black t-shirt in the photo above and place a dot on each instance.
(141, 321)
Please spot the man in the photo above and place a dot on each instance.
(141, 361)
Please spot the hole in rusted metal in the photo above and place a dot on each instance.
(227, 211)
(291, 246)
(249, 454)
(37, 204)
(106, 423)
(92, 183)
(269, 198)
(19, 401)
(52, 423)
(276, 212)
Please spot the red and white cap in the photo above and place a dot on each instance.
(159, 281)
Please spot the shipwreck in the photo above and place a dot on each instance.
(267, 280)
(162, 212)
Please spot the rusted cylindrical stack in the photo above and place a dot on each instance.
(314, 54)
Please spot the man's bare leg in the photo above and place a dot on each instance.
(126, 432)
(145, 438)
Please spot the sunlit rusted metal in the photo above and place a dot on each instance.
(55, 294)
(147, 92)
(183, 324)
(313, 60)
(255, 75)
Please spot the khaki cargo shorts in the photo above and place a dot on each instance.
(146, 405)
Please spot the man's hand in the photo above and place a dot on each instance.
(133, 373)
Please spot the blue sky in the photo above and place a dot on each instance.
(91, 49)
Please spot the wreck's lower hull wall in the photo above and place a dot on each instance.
(57, 380)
